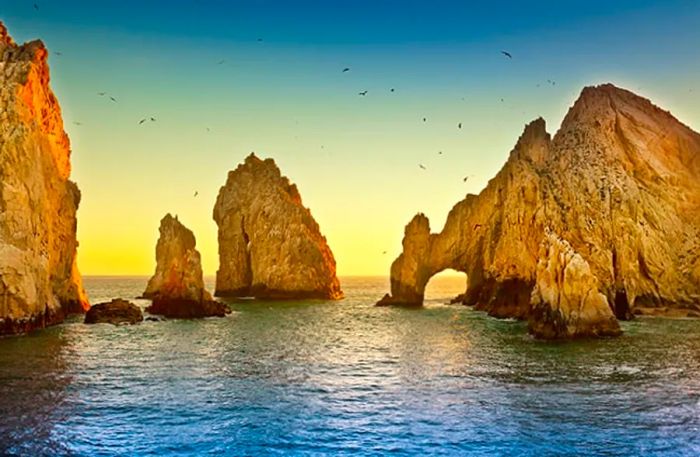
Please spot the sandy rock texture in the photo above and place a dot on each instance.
(39, 278)
(269, 244)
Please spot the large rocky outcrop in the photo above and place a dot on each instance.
(39, 278)
(177, 287)
(269, 244)
(620, 182)
(566, 302)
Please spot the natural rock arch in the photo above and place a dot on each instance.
(619, 183)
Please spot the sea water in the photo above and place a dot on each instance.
(346, 378)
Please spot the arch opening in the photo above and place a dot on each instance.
(444, 286)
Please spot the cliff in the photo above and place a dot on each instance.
(177, 287)
(619, 182)
(39, 278)
(269, 244)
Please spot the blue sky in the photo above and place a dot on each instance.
(218, 94)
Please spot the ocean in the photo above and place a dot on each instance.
(315, 378)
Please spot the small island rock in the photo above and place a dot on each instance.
(117, 311)
(177, 287)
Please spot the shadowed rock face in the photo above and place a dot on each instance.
(619, 182)
(269, 244)
(39, 278)
(177, 287)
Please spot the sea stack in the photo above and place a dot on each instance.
(177, 287)
(39, 278)
(270, 246)
(619, 183)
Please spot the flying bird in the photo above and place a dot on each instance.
(391, 90)
(466, 178)
(142, 121)
(36, 7)
(153, 119)
(425, 119)
(384, 252)
(58, 53)
(459, 126)
(260, 40)
(363, 93)
(345, 70)
(113, 99)
(422, 166)
(102, 94)
(507, 54)
(77, 123)
(439, 152)
(196, 193)
(221, 62)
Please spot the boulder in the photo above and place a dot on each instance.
(117, 311)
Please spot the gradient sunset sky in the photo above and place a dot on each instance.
(219, 93)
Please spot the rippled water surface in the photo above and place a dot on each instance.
(346, 378)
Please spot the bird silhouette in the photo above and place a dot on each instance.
(78, 123)
(196, 193)
(425, 119)
(260, 40)
(113, 99)
(142, 121)
(36, 7)
(466, 178)
(439, 152)
(422, 166)
(459, 126)
(153, 119)
(58, 53)
(345, 70)
(384, 252)
(507, 54)
(102, 94)
(363, 93)
(221, 62)
(391, 90)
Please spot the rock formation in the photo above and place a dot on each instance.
(269, 244)
(177, 287)
(619, 182)
(39, 278)
(566, 302)
(115, 312)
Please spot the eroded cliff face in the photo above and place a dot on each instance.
(566, 301)
(177, 287)
(619, 182)
(269, 244)
(39, 278)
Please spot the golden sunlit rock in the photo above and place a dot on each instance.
(619, 182)
(566, 302)
(177, 287)
(39, 278)
(269, 244)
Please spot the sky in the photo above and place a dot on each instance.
(225, 78)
